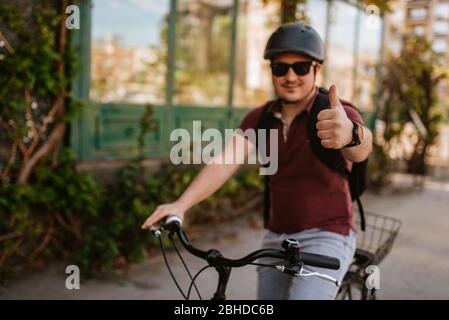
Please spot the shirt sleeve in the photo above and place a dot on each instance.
(250, 120)
(353, 114)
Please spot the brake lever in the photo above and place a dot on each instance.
(306, 273)
(319, 275)
(167, 226)
(156, 231)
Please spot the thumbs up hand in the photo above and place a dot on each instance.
(334, 126)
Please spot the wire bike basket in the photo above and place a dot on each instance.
(372, 246)
(379, 236)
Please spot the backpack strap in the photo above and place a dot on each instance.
(357, 185)
(333, 158)
(266, 122)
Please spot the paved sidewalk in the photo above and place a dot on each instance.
(416, 268)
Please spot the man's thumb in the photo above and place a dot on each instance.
(333, 98)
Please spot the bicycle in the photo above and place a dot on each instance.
(373, 245)
(294, 259)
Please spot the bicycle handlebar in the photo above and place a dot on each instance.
(174, 224)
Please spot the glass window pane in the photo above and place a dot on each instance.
(370, 37)
(419, 30)
(316, 11)
(203, 49)
(256, 21)
(128, 62)
(442, 10)
(340, 55)
(417, 13)
(440, 28)
(439, 45)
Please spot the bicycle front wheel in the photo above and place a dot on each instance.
(354, 288)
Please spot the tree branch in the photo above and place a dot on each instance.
(57, 110)
(54, 138)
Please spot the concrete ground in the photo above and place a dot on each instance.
(417, 267)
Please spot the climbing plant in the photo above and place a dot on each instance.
(35, 73)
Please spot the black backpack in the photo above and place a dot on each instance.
(332, 158)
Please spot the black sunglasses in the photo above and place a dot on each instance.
(280, 69)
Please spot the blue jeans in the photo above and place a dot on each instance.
(275, 285)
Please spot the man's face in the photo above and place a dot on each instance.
(292, 88)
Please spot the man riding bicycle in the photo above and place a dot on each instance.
(309, 202)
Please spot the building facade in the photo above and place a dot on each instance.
(200, 60)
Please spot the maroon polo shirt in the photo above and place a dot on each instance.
(305, 193)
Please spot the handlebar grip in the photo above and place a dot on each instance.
(317, 260)
(173, 218)
(172, 223)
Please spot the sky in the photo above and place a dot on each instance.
(138, 20)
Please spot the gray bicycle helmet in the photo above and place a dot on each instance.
(295, 37)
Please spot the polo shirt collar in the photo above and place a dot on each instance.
(276, 109)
